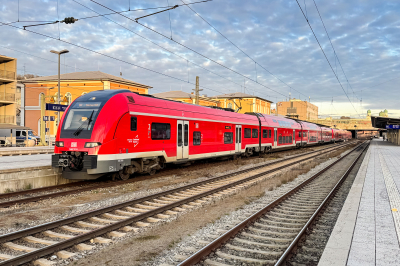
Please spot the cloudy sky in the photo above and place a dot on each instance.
(274, 53)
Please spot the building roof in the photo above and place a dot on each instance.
(87, 75)
(381, 122)
(179, 95)
(238, 95)
(12, 126)
(174, 94)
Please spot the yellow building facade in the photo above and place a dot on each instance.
(185, 97)
(8, 93)
(72, 85)
(297, 109)
(244, 103)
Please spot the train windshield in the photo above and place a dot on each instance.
(80, 119)
(81, 116)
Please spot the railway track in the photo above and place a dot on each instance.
(269, 236)
(6, 200)
(32, 243)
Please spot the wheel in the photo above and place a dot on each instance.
(123, 176)
(152, 171)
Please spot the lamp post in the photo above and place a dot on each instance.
(58, 96)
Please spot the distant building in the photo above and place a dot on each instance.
(244, 103)
(8, 84)
(298, 109)
(72, 86)
(186, 98)
(384, 113)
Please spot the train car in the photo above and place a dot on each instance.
(119, 132)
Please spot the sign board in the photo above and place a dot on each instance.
(392, 126)
(65, 99)
(48, 118)
(52, 100)
(56, 107)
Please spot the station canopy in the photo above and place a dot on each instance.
(383, 122)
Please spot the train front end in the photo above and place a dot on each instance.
(85, 131)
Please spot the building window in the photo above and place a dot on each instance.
(255, 133)
(247, 133)
(265, 133)
(160, 131)
(196, 138)
(228, 137)
(230, 105)
(133, 123)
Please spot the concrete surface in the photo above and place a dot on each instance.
(368, 228)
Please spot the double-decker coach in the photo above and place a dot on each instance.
(119, 132)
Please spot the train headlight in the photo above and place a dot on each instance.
(92, 144)
(60, 143)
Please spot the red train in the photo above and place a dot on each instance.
(121, 132)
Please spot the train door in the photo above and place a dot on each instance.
(182, 151)
(294, 137)
(275, 134)
(238, 142)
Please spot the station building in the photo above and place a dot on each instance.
(238, 101)
(8, 90)
(244, 103)
(392, 125)
(186, 98)
(298, 109)
(72, 85)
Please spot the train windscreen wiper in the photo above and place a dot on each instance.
(80, 128)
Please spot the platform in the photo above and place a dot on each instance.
(367, 231)
(13, 151)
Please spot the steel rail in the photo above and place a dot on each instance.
(206, 250)
(79, 190)
(107, 228)
(331, 194)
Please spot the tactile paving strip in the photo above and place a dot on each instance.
(393, 193)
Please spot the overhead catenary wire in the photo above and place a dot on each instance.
(251, 58)
(194, 51)
(108, 56)
(308, 22)
(188, 61)
(336, 57)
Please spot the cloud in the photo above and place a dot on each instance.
(274, 33)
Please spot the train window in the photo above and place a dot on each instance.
(133, 123)
(287, 139)
(290, 139)
(228, 137)
(280, 139)
(265, 133)
(160, 131)
(196, 138)
(247, 133)
(255, 133)
(186, 136)
(299, 134)
(240, 135)
(269, 133)
(180, 135)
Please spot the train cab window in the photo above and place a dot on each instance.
(255, 133)
(265, 133)
(196, 138)
(133, 123)
(228, 137)
(247, 133)
(161, 131)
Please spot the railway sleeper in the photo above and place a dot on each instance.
(273, 227)
(262, 245)
(270, 240)
(271, 232)
(266, 254)
(234, 259)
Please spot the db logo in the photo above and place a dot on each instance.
(74, 144)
